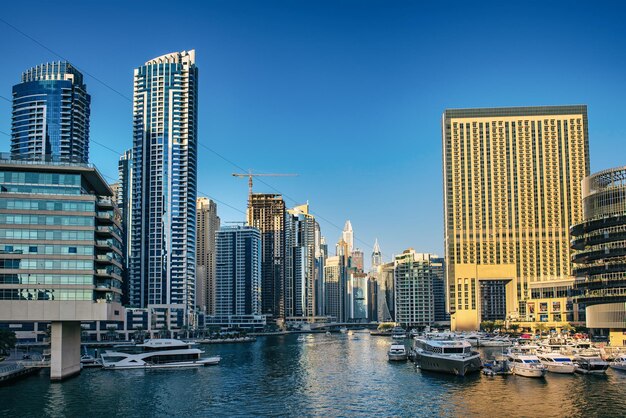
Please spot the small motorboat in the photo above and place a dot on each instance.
(397, 352)
(619, 363)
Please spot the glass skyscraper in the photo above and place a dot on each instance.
(164, 183)
(51, 115)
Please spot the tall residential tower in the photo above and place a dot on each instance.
(511, 181)
(208, 224)
(163, 224)
(51, 115)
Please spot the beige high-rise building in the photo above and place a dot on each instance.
(207, 224)
(512, 188)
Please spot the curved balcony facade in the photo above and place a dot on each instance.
(599, 249)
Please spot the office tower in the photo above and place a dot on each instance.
(386, 292)
(123, 198)
(51, 115)
(357, 259)
(299, 283)
(438, 270)
(413, 289)
(511, 191)
(358, 296)
(207, 223)
(600, 253)
(61, 253)
(266, 212)
(377, 256)
(164, 182)
(237, 271)
(348, 236)
(334, 277)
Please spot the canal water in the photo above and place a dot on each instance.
(337, 375)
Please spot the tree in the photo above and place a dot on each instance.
(487, 326)
(514, 328)
(498, 324)
(567, 328)
(541, 327)
(111, 332)
(7, 341)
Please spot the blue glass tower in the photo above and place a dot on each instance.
(164, 178)
(51, 115)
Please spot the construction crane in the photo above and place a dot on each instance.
(250, 174)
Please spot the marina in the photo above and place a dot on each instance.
(326, 375)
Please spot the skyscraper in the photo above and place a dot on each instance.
(413, 289)
(386, 293)
(266, 212)
(335, 284)
(348, 236)
(511, 191)
(123, 198)
(377, 257)
(300, 277)
(51, 115)
(163, 235)
(600, 253)
(208, 223)
(237, 271)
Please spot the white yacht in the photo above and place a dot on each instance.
(496, 342)
(157, 354)
(619, 363)
(557, 363)
(590, 364)
(398, 333)
(451, 356)
(523, 361)
(397, 352)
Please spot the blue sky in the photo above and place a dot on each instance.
(348, 94)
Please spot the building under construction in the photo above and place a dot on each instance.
(266, 212)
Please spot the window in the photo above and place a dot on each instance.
(32, 249)
(71, 250)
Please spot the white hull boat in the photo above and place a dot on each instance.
(157, 354)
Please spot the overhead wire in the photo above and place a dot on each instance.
(199, 143)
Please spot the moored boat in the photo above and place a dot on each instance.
(397, 352)
(523, 361)
(446, 356)
(557, 363)
(590, 364)
(157, 354)
(619, 363)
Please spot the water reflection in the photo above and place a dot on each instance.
(334, 375)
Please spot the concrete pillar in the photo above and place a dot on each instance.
(65, 350)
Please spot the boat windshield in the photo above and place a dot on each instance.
(452, 350)
(531, 361)
(563, 360)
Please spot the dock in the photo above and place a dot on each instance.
(13, 372)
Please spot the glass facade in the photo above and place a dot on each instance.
(51, 110)
(164, 183)
(61, 245)
(599, 244)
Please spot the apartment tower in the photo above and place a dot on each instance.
(163, 224)
(51, 115)
(512, 189)
(267, 212)
(208, 223)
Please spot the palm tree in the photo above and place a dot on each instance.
(111, 332)
(498, 324)
(541, 327)
(487, 325)
(7, 340)
(567, 327)
(514, 328)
